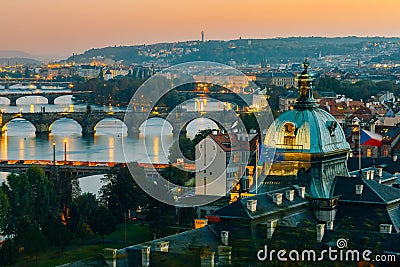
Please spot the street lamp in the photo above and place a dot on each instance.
(54, 153)
(65, 151)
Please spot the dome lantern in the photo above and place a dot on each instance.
(305, 85)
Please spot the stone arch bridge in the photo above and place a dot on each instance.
(51, 96)
(42, 121)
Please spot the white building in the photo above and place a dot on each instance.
(221, 160)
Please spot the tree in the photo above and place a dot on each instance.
(8, 253)
(102, 221)
(200, 135)
(30, 237)
(121, 193)
(184, 147)
(86, 203)
(31, 197)
(172, 99)
(4, 208)
(250, 122)
(175, 175)
(20, 201)
(45, 202)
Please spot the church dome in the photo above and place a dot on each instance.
(307, 128)
(310, 145)
(311, 130)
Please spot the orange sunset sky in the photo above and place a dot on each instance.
(59, 28)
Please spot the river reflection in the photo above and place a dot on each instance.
(20, 141)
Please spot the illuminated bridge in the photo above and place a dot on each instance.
(50, 95)
(42, 121)
(79, 169)
(7, 82)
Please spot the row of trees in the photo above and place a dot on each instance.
(114, 91)
(362, 89)
(34, 218)
(118, 92)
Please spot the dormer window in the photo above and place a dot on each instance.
(289, 134)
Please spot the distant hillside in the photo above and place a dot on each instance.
(14, 54)
(20, 57)
(241, 51)
(14, 60)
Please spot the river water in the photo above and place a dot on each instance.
(20, 141)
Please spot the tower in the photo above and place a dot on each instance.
(311, 150)
(310, 146)
(202, 36)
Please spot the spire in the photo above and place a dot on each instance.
(305, 85)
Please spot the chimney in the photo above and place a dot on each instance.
(301, 191)
(277, 198)
(327, 106)
(380, 171)
(145, 256)
(385, 228)
(320, 231)
(251, 205)
(271, 225)
(224, 237)
(359, 189)
(289, 195)
(224, 255)
(370, 174)
(207, 259)
(161, 246)
(329, 225)
(110, 256)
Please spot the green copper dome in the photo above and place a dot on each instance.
(311, 130)
(310, 145)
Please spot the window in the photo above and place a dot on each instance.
(386, 153)
(369, 152)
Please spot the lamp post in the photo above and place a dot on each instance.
(54, 153)
(65, 151)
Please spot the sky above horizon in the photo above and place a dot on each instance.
(56, 29)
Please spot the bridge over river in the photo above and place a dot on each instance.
(79, 169)
(50, 95)
(42, 121)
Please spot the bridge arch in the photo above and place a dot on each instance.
(43, 99)
(5, 100)
(52, 100)
(155, 119)
(191, 127)
(6, 123)
(118, 122)
(65, 118)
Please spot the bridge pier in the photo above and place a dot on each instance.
(42, 129)
(50, 100)
(88, 131)
(133, 131)
(13, 101)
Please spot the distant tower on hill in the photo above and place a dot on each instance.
(202, 36)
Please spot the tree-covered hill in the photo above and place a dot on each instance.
(250, 51)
